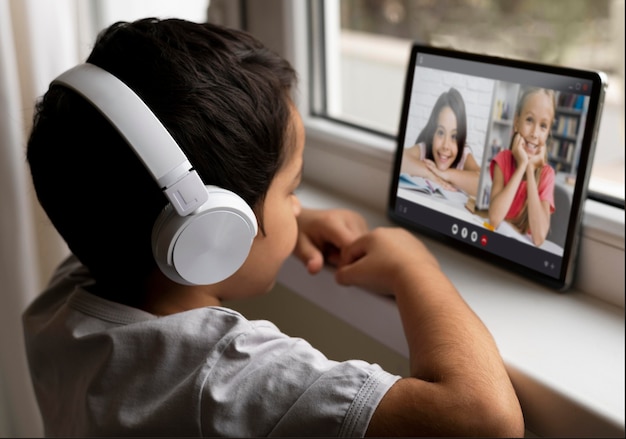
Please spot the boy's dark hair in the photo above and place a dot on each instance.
(223, 96)
(453, 99)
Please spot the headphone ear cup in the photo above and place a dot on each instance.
(207, 246)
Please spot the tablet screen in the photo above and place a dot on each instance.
(494, 157)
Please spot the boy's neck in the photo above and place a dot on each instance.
(164, 296)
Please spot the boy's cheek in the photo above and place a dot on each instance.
(296, 206)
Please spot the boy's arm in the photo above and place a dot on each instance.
(458, 384)
(323, 233)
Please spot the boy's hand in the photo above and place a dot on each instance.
(383, 259)
(322, 234)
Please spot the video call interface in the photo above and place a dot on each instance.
(490, 94)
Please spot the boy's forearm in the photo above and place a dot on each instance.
(450, 345)
(440, 326)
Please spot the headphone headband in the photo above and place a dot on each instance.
(150, 140)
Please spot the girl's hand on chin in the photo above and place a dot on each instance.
(519, 150)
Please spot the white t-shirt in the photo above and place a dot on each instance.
(100, 368)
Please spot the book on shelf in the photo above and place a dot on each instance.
(580, 101)
(562, 149)
(570, 100)
(566, 126)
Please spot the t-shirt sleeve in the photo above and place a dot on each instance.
(503, 160)
(264, 383)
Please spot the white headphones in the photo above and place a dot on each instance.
(204, 234)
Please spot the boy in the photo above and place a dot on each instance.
(117, 348)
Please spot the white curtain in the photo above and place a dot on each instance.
(38, 40)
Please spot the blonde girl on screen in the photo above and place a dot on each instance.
(523, 181)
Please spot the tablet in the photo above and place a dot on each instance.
(494, 157)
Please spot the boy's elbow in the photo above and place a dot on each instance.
(507, 422)
(515, 427)
(500, 418)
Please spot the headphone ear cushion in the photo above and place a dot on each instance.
(207, 246)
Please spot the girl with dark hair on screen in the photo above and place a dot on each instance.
(440, 153)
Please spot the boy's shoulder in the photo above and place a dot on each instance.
(67, 297)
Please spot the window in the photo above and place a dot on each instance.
(106, 12)
(362, 47)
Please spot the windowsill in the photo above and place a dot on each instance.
(564, 351)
